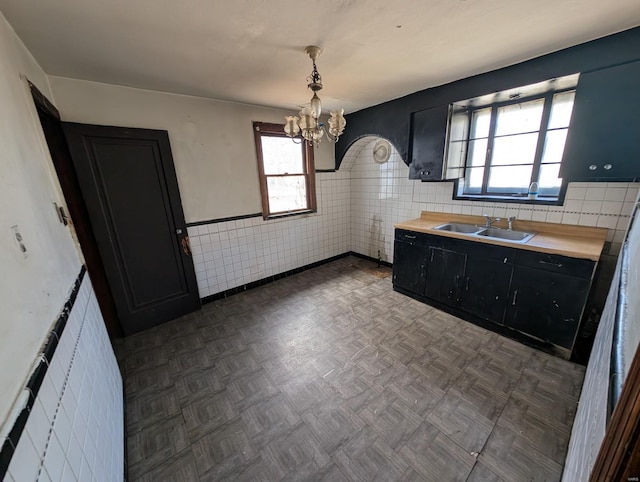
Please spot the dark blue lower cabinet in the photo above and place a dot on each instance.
(446, 273)
(409, 267)
(540, 295)
(546, 305)
(487, 287)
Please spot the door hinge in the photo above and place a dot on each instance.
(62, 215)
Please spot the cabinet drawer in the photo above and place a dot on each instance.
(484, 251)
(414, 237)
(579, 268)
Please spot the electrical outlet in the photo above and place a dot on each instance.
(17, 237)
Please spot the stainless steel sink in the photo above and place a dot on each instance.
(459, 228)
(495, 233)
(506, 235)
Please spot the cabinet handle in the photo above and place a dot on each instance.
(607, 167)
(515, 297)
(406, 236)
(593, 167)
(549, 263)
(466, 286)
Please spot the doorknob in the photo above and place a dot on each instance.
(186, 246)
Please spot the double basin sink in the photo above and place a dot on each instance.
(486, 232)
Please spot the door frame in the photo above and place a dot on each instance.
(619, 455)
(81, 224)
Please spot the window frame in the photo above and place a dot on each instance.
(266, 129)
(460, 189)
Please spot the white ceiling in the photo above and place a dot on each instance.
(251, 51)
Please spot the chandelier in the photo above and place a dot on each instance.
(309, 121)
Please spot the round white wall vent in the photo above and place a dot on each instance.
(381, 151)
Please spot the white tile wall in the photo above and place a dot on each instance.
(382, 195)
(75, 430)
(233, 253)
(357, 208)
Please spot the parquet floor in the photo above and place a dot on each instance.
(331, 375)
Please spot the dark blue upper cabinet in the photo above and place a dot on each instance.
(428, 143)
(603, 142)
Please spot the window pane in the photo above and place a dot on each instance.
(510, 179)
(477, 152)
(519, 149)
(561, 110)
(287, 193)
(549, 177)
(459, 125)
(480, 123)
(281, 156)
(516, 118)
(474, 177)
(554, 146)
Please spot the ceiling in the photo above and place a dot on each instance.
(252, 51)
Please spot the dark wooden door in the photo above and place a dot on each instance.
(546, 305)
(409, 266)
(128, 182)
(445, 275)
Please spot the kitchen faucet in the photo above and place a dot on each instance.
(510, 220)
(490, 220)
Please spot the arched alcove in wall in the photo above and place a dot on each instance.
(378, 179)
(364, 146)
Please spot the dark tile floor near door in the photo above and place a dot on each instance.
(331, 375)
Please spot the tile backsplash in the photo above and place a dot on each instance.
(382, 195)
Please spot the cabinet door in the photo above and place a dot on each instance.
(445, 275)
(409, 266)
(486, 288)
(546, 305)
(428, 141)
(603, 141)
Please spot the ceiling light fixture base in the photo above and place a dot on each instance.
(313, 51)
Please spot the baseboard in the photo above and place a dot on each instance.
(271, 279)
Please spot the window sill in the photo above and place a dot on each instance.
(289, 214)
(549, 201)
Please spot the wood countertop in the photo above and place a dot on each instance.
(567, 240)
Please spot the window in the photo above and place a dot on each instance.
(513, 143)
(287, 175)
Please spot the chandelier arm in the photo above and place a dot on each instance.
(332, 138)
(328, 134)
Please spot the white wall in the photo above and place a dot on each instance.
(212, 141)
(75, 429)
(34, 289)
